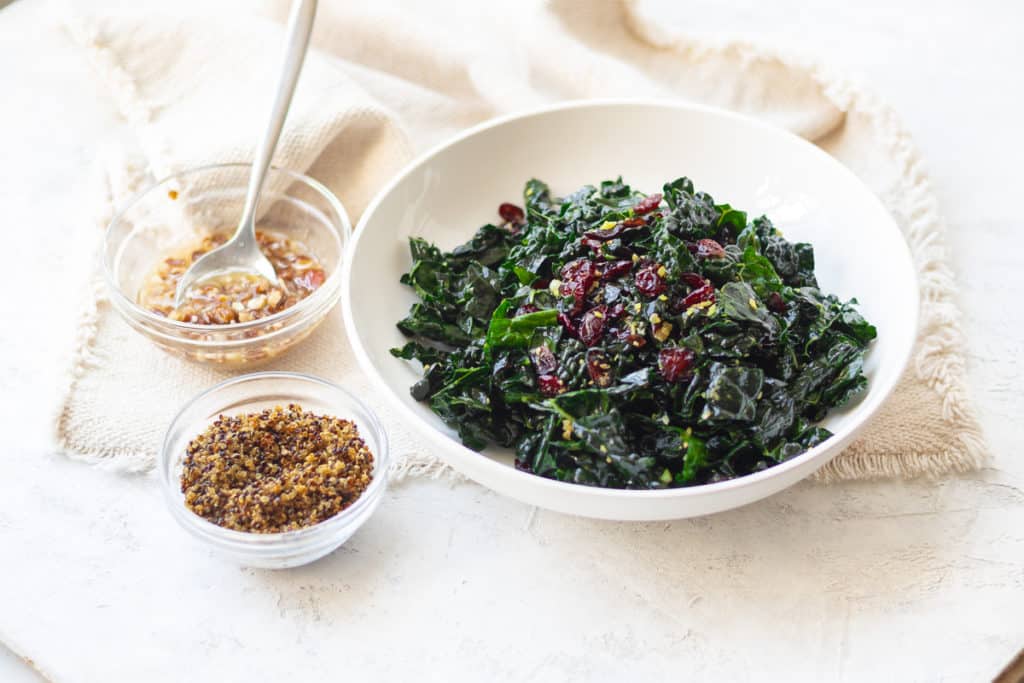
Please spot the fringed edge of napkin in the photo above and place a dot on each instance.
(108, 190)
(94, 299)
(938, 357)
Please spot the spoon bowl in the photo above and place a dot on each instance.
(235, 256)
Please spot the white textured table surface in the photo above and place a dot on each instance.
(864, 581)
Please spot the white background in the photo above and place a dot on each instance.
(864, 581)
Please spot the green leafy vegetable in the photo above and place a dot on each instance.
(622, 340)
(515, 333)
(733, 392)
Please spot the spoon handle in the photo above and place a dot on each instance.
(300, 25)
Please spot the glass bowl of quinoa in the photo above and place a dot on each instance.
(274, 469)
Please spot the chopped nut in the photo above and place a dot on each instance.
(662, 331)
(233, 297)
(221, 315)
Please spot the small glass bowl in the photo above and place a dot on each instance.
(253, 393)
(191, 204)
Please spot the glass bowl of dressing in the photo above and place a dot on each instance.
(156, 233)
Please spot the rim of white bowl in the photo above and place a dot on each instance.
(869, 405)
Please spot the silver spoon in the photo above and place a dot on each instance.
(242, 253)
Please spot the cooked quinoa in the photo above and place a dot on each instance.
(277, 470)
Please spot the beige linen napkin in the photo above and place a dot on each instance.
(386, 81)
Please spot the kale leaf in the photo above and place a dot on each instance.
(623, 340)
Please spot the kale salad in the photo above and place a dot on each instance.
(635, 341)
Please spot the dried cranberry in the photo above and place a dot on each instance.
(567, 323)
(614, 269)
(709, 249)
(592, 325)
(603, 235)
(544, 362)
(581, 270)
(526, 308)
(648, 281)
(592, 244)
(693, 280)
(511, 213)
(598, 367)
(616, 231)
(616, 311)
(577, 277)
(550, 385)
(701, 294)
(675, 364)
(776, 303)
(647, 204)
(635, 340)
(541, 283)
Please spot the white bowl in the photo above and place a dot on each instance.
(449, 192)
